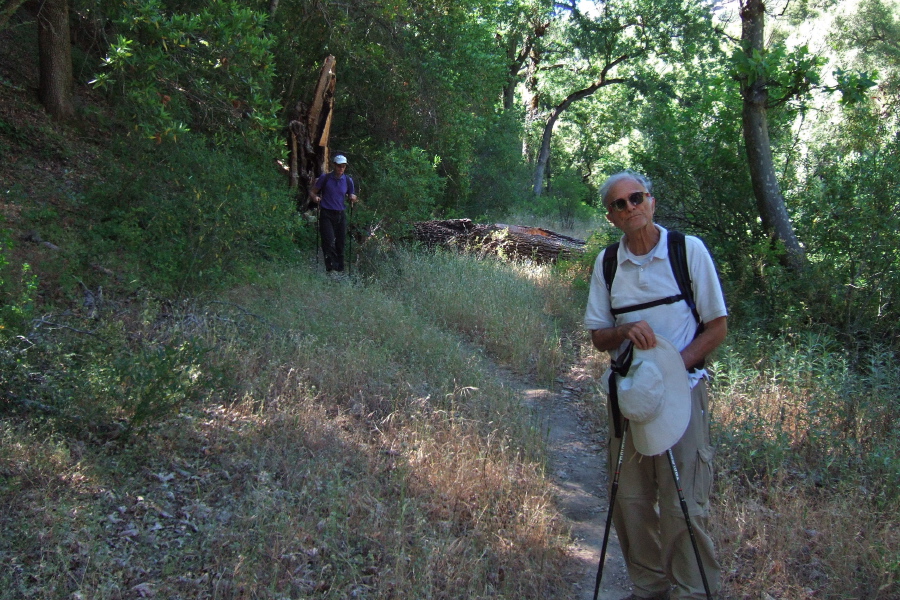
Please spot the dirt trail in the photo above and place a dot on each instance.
(577, 459)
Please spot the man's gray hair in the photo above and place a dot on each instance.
(626, 174)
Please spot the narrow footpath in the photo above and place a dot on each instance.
(577, 459)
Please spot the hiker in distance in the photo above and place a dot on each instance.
(329, 192)
(635, 298)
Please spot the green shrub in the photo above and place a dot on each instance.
(210, 70)
(18, 287)
(566, 200)
(189, 215)
(399, 186)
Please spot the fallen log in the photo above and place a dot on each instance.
(507, 241)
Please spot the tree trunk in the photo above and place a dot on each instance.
(55, 59)
(769, 199)
(544, 153)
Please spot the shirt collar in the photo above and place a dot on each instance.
(660, 251)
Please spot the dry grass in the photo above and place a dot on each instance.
(360, 451)
(360, 444)
(807, 493)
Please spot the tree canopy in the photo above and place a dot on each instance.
(770, 128)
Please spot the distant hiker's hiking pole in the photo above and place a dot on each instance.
(318, 224)
(609, 515)
(350, 241)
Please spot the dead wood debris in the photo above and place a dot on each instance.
(509, 241)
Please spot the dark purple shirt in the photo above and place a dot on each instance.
(333, 189)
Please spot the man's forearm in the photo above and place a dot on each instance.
(713, 334)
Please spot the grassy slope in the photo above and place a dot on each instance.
(291, 437)
(367, 452)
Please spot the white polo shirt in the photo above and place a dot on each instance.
(646, 278)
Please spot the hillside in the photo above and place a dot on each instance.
(199, 446)
(189, 409)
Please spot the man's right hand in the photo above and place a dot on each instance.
(639, 332)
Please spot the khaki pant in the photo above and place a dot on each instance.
(648, 516)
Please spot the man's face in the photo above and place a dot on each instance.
(339, 169)
(632, 218)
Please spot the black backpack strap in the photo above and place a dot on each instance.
(610, 264)
(619, 368)
(679, 264)
(651, 304)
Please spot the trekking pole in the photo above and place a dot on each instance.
(612, 502)
(687, 519)
(350, 242)
(318, 225)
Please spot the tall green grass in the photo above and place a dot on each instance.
(510, 309)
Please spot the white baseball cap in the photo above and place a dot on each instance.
(340, 159)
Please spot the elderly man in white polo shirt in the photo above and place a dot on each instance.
(647, 515)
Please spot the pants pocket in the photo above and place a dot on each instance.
(703, 475)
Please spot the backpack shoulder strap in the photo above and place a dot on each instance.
(681, 271)
(610, 264)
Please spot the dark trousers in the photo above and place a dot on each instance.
(333, 229)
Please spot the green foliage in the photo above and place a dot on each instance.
(500, 178)
(404, 77)
(18, 291)
(853, 86)
(96, 375)
(190, 216)
(853, 214)
(788, 74)
(401, 186)
(567, 199)
(155, 382)
(210, 70)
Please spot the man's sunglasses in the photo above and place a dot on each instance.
(621, 204)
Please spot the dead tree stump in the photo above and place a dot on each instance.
(308, 130)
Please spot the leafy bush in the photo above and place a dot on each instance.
(18, 287)
(112, 372)
(211, 69)
(401, 186)
(191, 215)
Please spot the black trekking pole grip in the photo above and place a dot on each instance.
(687, 519)
(609, 515)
